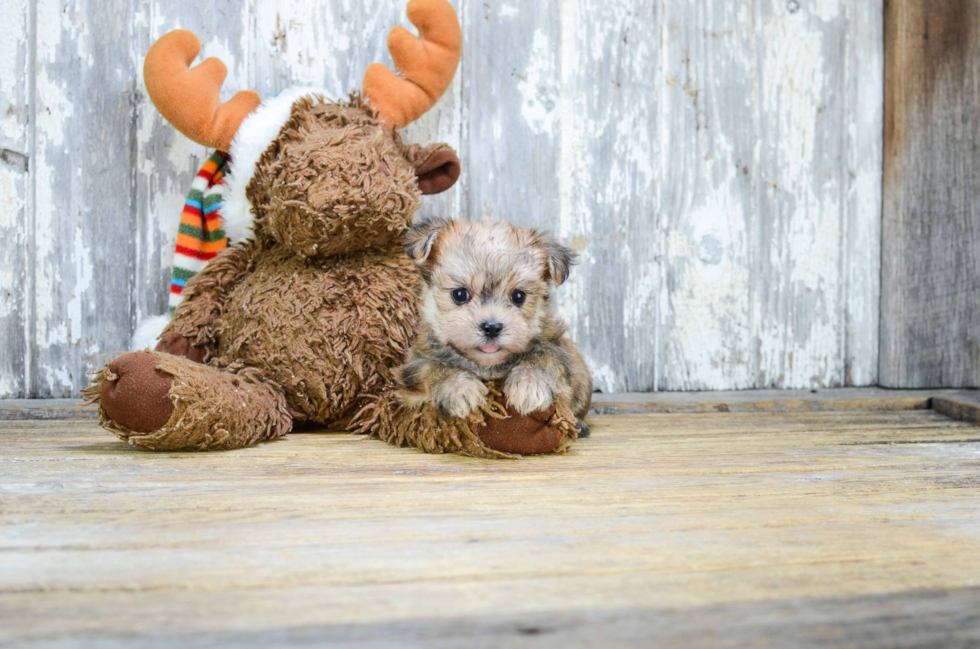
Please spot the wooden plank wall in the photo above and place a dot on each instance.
(930, 303)
(15, 195)
(717, 164)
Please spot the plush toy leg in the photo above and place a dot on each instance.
(493, 431)
(168, 403)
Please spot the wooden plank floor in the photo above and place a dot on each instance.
(715, 529)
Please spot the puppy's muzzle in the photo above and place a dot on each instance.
(491, 329)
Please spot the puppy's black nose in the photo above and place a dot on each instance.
(491, 329)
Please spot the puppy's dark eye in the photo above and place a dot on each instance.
(461, 296)
(518, 297)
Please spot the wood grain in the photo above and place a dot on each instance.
(800, 227)
(958, 407)
(511, 122)
(930, 302)
(83, 225)
(708, 198)
(771, 222)
(609, 165)
(695, 528)
(16, 67)
(958, 404)
(864, 70)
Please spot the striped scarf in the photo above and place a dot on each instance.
(200, 236)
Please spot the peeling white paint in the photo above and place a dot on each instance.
(14, 198)
(9, 385)
(13, 63)
(709, 332)
(826, 10)
(800, 344)
(59, 381)
(83, 272)
(11, 273)
(54, 113)
(302, 43)
(573, 219)
(537, 86)
(602, 374)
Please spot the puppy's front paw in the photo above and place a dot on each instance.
(459, 396)
(528, 390)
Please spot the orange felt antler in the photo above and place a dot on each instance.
(188, 97)
(426, 63)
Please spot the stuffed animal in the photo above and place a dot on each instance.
(305, 319)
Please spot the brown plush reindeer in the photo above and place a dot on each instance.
(305, 320)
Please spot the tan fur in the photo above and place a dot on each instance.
(532, 355)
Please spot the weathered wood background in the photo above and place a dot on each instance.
(718, 164)
(930, 302)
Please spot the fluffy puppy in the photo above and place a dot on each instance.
(486, 315)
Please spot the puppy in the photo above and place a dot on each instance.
(486, 315)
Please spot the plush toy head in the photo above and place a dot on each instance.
(318, 176)
(337, 179)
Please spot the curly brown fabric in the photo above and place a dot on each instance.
(212, 410)
(328, 331)
(336, 181)
(427, 429)
(205, 293)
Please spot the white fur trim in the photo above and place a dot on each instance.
(148, 331)
(254, 136)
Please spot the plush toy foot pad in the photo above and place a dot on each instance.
(521, 434)
(135, 394)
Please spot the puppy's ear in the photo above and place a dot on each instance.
(560, 258)
(420, 237)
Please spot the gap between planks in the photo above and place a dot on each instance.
(961, 405)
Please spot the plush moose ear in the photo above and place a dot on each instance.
(436, 166)
(425, 63)
(560, 258)
(188, 97)
(419, 239)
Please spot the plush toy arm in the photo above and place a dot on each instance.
(494, 430)
(205, 294)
